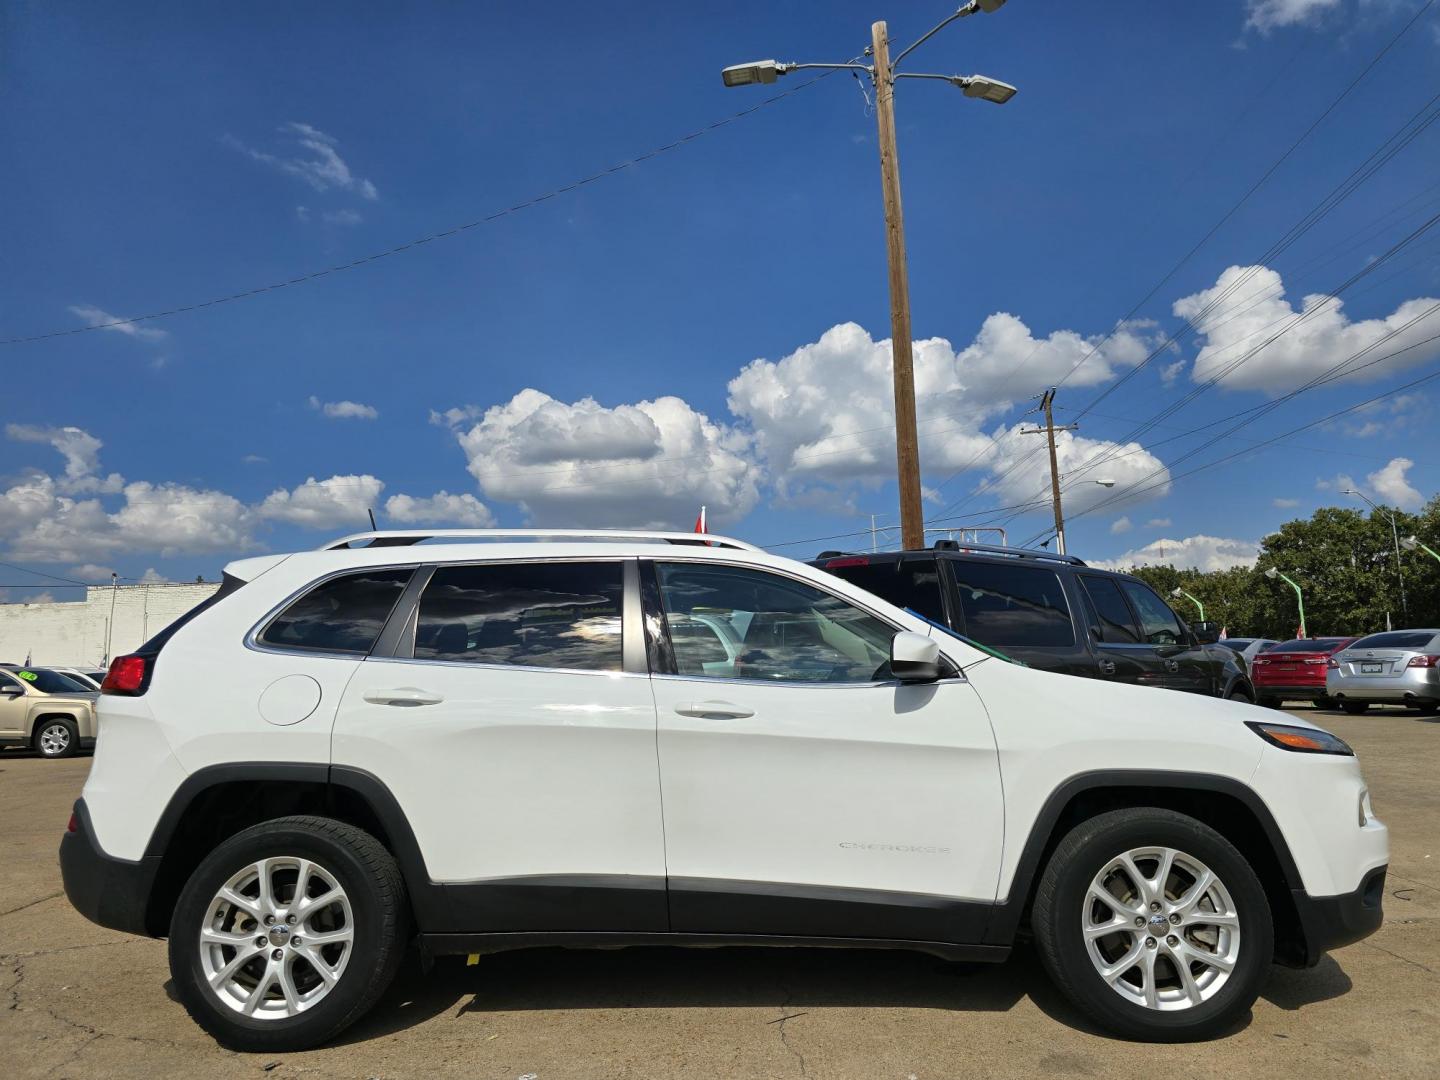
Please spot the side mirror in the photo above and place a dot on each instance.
(1206, 633)
(11, 690)
(914, 658)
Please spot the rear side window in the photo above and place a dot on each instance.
(1396, 639)
(906, 583)
(1158, 624)
(1117, 622)
(342, 615)
(549, 615)
(1008, 606)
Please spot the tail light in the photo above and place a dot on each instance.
(73, 825)
(1424, 661)
(852, 560)
(126, 676)
(1258, 661)
(1320, 660)
(1332, 663)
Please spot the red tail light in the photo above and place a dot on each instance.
(126, 675)
(853, 560)
(1332, 663)
(1258, 661)
(1320, 660)
(74, 824)
(1424, 661)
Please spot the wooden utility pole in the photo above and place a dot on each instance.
(1046, 403)
(907, 442)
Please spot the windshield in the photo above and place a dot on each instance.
(1239, 644)
(1396, 639)
(1319, 644)
(52, 682)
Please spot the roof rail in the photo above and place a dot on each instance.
(1014, 553)
(406, 538)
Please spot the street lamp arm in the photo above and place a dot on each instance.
(827, 67)
(963, 10)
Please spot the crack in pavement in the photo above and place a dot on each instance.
(786, 1015)
(32, 903)
(1398, 956)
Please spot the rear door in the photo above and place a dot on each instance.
(1184, 664)
(1120, 652)
(1019, 609)
(513, 721)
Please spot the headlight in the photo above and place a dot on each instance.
(1302, 740)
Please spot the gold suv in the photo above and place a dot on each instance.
(45, 709)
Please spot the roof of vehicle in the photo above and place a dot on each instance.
(992, 552)
(412, 537)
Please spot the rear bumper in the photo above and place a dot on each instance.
(1416, 684)
(1330, 922)
(111, 892)
(1292, 691)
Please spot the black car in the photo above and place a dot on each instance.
(1052, 612)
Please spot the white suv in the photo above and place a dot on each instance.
(499, 740)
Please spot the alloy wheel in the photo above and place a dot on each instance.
(1161, 928)
(54, 740)
(276, 938)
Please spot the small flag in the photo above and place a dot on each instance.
(700, 521)
(1224, 633)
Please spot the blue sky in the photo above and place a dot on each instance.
(709, 326)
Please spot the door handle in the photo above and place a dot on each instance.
(714, 710)
(1172, 665)
(1107, 667)
(403, 696)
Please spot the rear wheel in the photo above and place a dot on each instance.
(1426, 708)
(1239, 693)
(1268, 702)
(57, 737)
(1324, 703)
(287, 933)
(1355, 708)
(1154, 925)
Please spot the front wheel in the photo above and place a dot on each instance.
(1154, 925)
(1355, 708)
(1239, 693)
(287, 933)
(1268, 702)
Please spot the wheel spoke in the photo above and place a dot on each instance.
(1147, 977)
(343, 936)
(1167, 863)
(1209, 918)
(1193, 895)
(316, 961)
(267, 896)
(1111, 927)
(1188, 952)
(239, 900)
(261, 989)
(311, 904)
(211, 936)
(1113, 971)
(236, 962)
(1181, 964)
(1141, 883)
(1113, 902)
(286, 976)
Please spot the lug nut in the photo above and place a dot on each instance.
(1175, 918)
(277, 955)
(290, 919)
(296, 942)
(269, 919)
(1172, 940)
(1139, 920)
(1154, 905)
(260, 941)
(1150, 943)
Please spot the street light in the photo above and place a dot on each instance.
(883, 74)
(1272, 574)
(1177, 592)
(1412, 543)
(1394, 535)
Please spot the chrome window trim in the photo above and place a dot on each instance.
(252, 638)
(478, 666)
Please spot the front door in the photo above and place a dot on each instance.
(807, 792)
(520, 745)
(13, 706)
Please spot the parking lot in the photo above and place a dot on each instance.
(82, 1001)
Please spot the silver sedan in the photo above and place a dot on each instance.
(1398, 667)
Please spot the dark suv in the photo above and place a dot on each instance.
(1052, 612)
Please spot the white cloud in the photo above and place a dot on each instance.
(314, 160)
(823, 416)
(253, 459)
(1267, 15)
(1126, 467)
(80, 449)
(91, 572)
(1285, 504)
(153, 577)
(94, 316)
(1158, 523)
(342, 217)
(1391, 485)
(1203, 553)
(585, 464)
(324, 504)
(1120, 526)
(344, 410)
(1257, 310)
(441, 508)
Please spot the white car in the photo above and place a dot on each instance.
(491, 743)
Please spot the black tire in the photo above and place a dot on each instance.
(376, 891)
(1355, 708)
(1239, 693)
(1427, 708)
(1268, 702)
(47, 740)
(1324, 703)
(1059, 937)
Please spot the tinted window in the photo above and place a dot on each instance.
(551, 615)
(1158, 624)
(699, 643)
(784, 630)
(1239, 644)
(906, 583)
(1308, 645)
(1007, 606)
(53, 682)
(342, 615)
(1117, 624)
(1396, 639)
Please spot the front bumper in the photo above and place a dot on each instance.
(115, 893)
(1329, 922)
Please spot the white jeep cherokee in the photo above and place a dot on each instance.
(491, 742)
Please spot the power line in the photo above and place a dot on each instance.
(328, 271)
